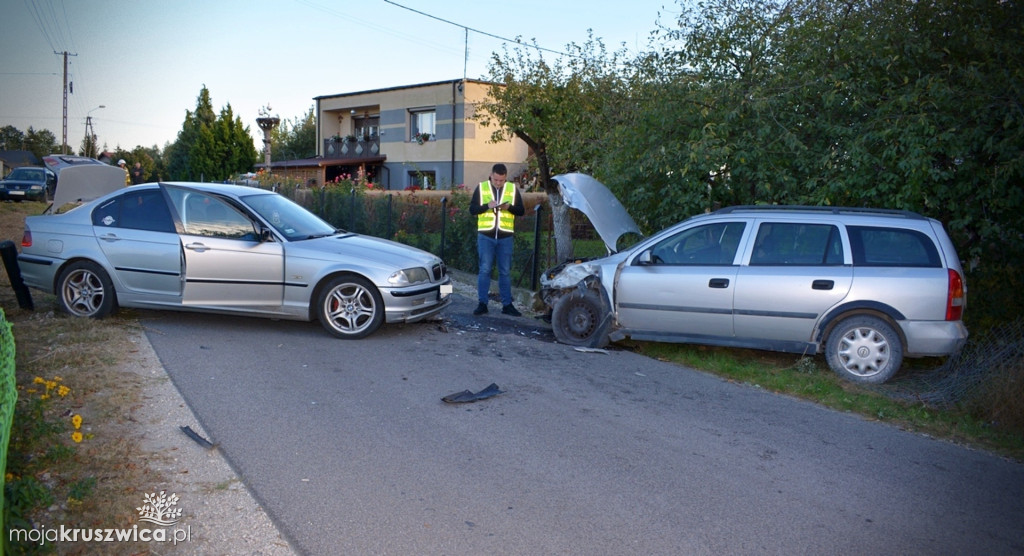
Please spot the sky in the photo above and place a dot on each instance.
(145, 61)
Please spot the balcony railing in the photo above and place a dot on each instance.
(345, 148)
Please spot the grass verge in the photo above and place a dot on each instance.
(74, 458)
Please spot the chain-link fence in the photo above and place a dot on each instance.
(8, 397)
(986, 378)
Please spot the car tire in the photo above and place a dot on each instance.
(864, 349)
(581, 319)
(350, 307)
(85, 290)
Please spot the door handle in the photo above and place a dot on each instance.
(109, 237)
(822, 284)
(198, 247)
(719, 283)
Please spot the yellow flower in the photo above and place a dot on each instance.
(63, 390)
(76, 420)
(44, 397)
(38, 380)
(9, 477)
(76, 436)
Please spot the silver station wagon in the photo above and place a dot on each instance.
(226, 249)
(866, 287)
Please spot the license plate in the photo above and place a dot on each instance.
(15, 192)
(446, 290)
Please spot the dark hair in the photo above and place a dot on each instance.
(499, 169)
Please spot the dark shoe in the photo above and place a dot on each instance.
(510, 310)
(480, 309)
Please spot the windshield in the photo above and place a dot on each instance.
(288, 218)
(27, 175)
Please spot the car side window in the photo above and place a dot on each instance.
(710, 244)
(797, 244)
(892, 247)
(135, 210)
(206, 215)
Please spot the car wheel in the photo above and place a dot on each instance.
(85, 290)
(864, 349)
(350, 307)
(580, 319)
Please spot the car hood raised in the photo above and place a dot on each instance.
(81, 179)
(592, 198)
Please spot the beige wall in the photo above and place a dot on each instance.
(472, 152)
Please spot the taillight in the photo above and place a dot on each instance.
(26, 238)
(955, 296)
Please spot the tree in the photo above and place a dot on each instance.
(210, 147)
(902, 104)
(559, 110)
(11, 138)
(295, 139)
(41, 143)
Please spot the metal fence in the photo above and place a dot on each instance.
(8, 397)
(439, 222)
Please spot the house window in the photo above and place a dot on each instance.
(422, 123)
(366, 126)
(422, 180)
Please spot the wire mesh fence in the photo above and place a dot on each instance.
(439, 222)
(989, 367)
(8, 397)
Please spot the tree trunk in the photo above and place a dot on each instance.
(562, 225)
(559, 211)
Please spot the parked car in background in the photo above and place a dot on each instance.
(866, 287)
(226, 249)
(28, 183)
(81, 179)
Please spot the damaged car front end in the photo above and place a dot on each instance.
(575, 293)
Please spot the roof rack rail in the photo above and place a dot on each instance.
(823, 209)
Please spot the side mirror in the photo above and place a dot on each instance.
(644, 258)
(265, 235)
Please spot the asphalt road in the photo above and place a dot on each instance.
(349, 447)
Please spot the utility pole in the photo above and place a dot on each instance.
(64, 134)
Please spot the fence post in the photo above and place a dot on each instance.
(536, 245)
(390, 197)
(352, 211)
(444, 213)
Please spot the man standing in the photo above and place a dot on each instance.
(137, 176)
(496, 203)
(127, 176)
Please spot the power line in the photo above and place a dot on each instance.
(477, 31)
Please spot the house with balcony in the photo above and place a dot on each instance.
(408, 136)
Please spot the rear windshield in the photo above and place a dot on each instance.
(892, 247)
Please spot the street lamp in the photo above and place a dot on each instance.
(89, 141)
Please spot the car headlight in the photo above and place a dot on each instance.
(36, 187)
(408, 276)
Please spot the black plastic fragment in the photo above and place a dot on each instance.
(466, 396)
(9, 253)
(195, 436)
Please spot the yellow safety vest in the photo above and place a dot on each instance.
(485, 221)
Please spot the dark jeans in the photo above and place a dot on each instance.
(489, 250)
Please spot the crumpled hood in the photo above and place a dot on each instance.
(592, 198)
